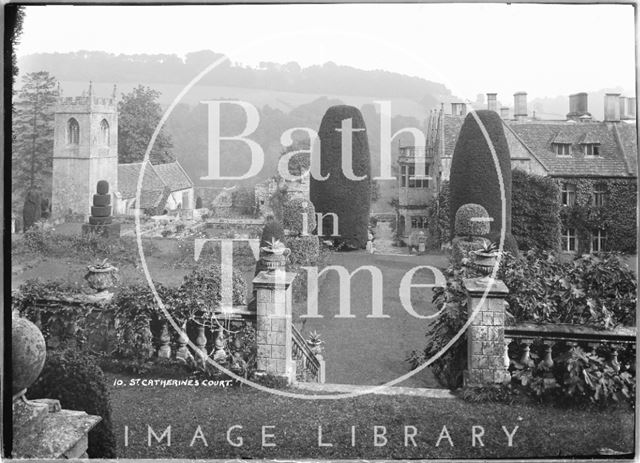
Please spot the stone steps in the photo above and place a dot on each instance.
(329, 388)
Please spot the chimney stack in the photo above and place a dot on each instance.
(492, 102)
(578, 107)
(520, 105)
(612, 107)
(459, 109)
(504, 112)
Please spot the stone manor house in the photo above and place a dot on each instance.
(85, 150)
(573, 151)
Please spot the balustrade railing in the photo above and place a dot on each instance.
(519, 339)
(308, 366)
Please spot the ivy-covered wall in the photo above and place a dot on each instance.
(617, 216)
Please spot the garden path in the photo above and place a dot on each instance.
(372, 351)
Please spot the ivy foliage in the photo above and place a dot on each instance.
(73, 378)
(536, 211)
(617, 216)
(292, 215)
(348, 199)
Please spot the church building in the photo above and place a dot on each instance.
(85, 150)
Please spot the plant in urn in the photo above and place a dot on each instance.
(485, 259)
(275, 257)
(101, 276)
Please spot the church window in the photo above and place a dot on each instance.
(104, 132)
(73, 132)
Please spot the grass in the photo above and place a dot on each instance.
(543, 431)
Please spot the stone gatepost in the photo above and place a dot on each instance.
(485, 341)
(273, 324)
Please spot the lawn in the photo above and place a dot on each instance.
(543, 431)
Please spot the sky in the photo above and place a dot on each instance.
(545, 50)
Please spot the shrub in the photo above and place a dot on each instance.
(438, 218)
(474, 176)
(198, 202)
(536, 211)
(348, 199)
(292, 215)
(576, 377)
(78, 383)
(464, 226)
(304, 250)
(592, 290)
(201, 291)
(32, 209)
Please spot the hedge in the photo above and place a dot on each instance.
(474, 177)
(536, 211)
(348, 199)
(78, 383)
(304, 250)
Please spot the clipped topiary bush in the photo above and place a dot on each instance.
(78, 383)
(465, 226)
(293, 212)
(305, 250)
(349, 199)
(474, 175)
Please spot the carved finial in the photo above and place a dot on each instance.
(114, 91)
(90, 89)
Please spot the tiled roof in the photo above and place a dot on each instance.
(452, 126)
(590, 137)
(564, 137)
(174, 176)
(538, 136)
(628, 139)
(128, 175)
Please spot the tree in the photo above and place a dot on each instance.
(32, 147)
(347, 198)
(139, 115)
(474, 175)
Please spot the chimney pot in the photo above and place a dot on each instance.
(578, 106)
(504, 112)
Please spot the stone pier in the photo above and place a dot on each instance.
(274, 323)
(485, 340)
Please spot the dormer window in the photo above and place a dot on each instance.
(591, 149)
(562, 149)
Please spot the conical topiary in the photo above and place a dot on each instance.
(347, 198)
(474, 176)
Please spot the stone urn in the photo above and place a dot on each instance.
(486, 259)
(275, 255)
(101, 276)
(28, 353)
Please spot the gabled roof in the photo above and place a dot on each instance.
(174, 176)
(128, 175)
(539, 136)
(159, 180)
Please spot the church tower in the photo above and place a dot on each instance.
(85, 150)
